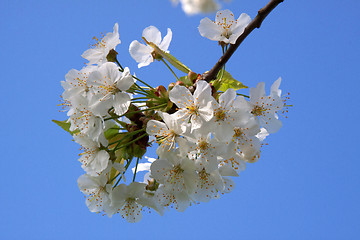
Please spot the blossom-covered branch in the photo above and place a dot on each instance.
(204, 132)
(255, 23)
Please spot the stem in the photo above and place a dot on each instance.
(127, 135)
(239, 94)
(126, 167)
(150, 108)
(170, 69)
(131, 142)
(121, 68)
(255, 23)
(139, 98)
(140, 88)
(142, 93)
(114, 177)
(142, 82)
(137, 162)
(113, 117)
(119, 122)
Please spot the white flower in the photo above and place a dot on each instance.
(209, 185)
(167, 132)
(232, 163)
(175, 172)
(198, 6)
(203, 149)
(245, 138)
(129, 201)
(225, 28)
(107, 87)
(197, 107)
(94, 159)
(76, 83)
(98, 54)
(98, 193)
(144, 54)
(83, 119)
(226, 116)
(264, 107)
(180, 200)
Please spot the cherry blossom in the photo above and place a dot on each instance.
(108, 88)
(264, 107)
(197, 107)
(145, 54)
(225, 28)
(98, 54)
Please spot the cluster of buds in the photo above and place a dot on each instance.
(205, 131)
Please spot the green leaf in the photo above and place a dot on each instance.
(227, 81)
(170, 58)
(112, 132)
(65, 125)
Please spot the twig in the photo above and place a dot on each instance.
(255, 23)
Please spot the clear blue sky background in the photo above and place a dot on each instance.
(306, 184)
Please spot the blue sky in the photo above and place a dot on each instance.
(306, 183)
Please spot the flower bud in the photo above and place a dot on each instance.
(152, 185)
(161, 91)
(180, 83)
(192, 76)
(111, 57)
(171, 86)
(156, 56)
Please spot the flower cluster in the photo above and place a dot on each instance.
(206, 132)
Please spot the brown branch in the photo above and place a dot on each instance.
(255, 23)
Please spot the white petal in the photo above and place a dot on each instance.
(210, 30)
(152, 34)
(227, 98)
(258, 92)
(100, 161)
(271, 126)
(121, 103)
(126, 80)
(87, 183)
(202, 89)
(275, 91)
(155, 127)
(223, 15)
(140, 52)
(111, 71)
(229, 184)
(241, 24)
(166, 41)
(136, 189)
(181, 96)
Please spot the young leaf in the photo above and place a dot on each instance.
(228, 81)
(170, 58)
(112, 132)
(65, 125)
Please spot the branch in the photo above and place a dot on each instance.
(255, 23)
